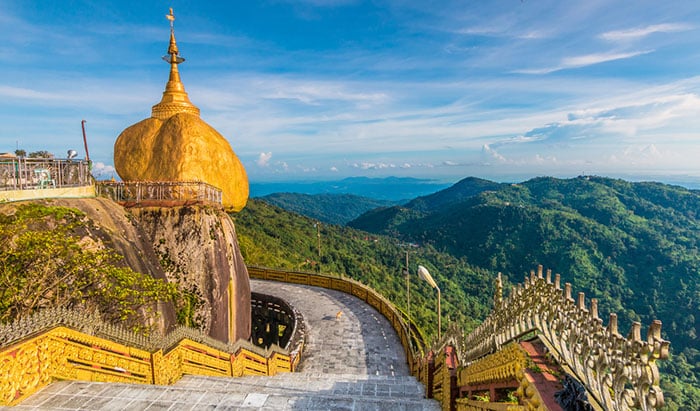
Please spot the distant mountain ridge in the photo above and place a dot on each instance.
(328, 208)
(389, 188)
(460, 191)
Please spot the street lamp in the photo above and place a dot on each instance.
(318, 236)
(408, 289)
(425, 274)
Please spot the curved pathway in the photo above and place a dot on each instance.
(351, 361)
(344, 334)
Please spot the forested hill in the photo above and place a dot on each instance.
(326, 207)
(634, 246)
(273, 237)
(462, 190)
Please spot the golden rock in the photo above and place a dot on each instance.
(175, 144)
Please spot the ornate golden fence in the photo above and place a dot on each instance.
(132, 193)
(619, 373)
(57, 344)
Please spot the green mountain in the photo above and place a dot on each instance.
(634, 246)
(462, 190)
(327, 208)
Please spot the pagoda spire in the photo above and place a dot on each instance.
(175, 99)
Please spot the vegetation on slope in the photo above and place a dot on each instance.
(327, 208)
(48, 259)
(272, 237)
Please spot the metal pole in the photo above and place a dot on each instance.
(318, 235)
(408, 289)
(439, 316)
(87, 154)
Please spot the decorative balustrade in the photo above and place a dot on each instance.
(66, 344)
(619, 373)
(505, 369)
(131, 193)
(21, 173)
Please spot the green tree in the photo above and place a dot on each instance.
(47, 259)
(40, 154)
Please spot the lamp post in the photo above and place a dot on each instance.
(425, 274)
(318, 236)
(408, 289)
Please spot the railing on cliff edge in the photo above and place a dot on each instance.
(59, 343)
(22, 173)
(159, 193)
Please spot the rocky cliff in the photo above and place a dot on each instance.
(195, 247)
(198, 249)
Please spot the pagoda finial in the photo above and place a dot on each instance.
(175, 99)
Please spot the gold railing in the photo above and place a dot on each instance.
(505, 368)
(131, 193)
(464, 404)
(411, 339)
(619, 373)
(61, 344)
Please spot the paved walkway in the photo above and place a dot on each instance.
(352, 361)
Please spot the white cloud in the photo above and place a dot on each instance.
(591, 59)
(366, 165)
(264, 159)
(636, 33)
(334, 169)
(102, 171)
(492, 154)
(584, 61)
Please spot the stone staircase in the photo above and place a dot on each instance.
(351, 362)
(282, 392)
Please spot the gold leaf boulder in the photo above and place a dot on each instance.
(181, 148)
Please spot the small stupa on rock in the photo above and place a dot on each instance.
(175, 144)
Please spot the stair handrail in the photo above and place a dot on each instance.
(620, 373)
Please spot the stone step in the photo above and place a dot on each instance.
(399, 388)
(75, 395)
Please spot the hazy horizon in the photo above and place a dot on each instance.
(688, 182)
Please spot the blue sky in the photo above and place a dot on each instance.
(326, 89)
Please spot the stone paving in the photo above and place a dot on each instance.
(352, 361)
